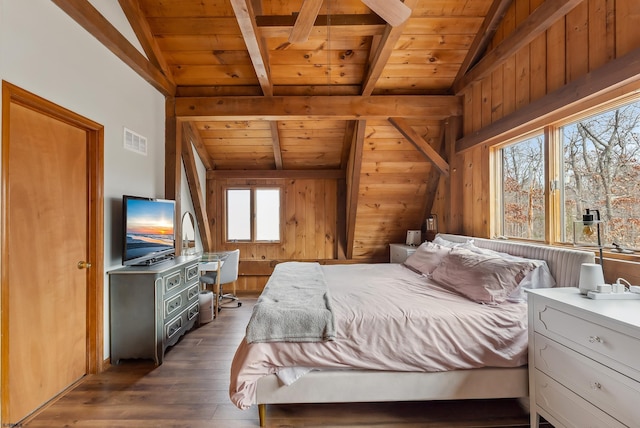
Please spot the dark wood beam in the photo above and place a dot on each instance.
(251, 174)
(612, 75)
(97, 25)
(319, 107)
(245, 16)
(195, 190)
(451, 219)
(140, 26)
(172, 150)
(547, 14)
(423, 146)
(435, 177)
(348, 25)
(353, 184)
(383, 51)
(483, 37)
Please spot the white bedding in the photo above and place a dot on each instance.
(390, 318)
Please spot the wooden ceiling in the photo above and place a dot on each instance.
(340, 48)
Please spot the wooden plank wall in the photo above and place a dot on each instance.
(592, 34)
(309, 232)
(393, 184)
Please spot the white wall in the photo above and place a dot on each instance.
(44, 51)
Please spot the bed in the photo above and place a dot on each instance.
(396, 326)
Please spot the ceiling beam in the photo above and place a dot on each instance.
(547, 14)
(277, 151)
(483, 37)
(421, 144)
(97, 25)
(394, 12)
(247, 22)
(255, 174)
(383, 52)
(305, 21)
(353, 184)
(192, 133)
(617, 73)
(348, 25)
(140, 26)
(320, 107)
(195, 190)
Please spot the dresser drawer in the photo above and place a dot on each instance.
(192, 272)
(172, 281)
(589, 338)
(562, 406)
(607, 389)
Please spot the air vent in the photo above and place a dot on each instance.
(135, 142)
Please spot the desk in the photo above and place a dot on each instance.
(212, 262)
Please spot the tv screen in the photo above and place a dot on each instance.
(149, 226)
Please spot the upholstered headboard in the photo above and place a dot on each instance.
(564, 263)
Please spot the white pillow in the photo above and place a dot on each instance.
(426, 257)
(450, 244)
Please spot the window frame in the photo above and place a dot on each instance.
(253, 214)
(553, 168)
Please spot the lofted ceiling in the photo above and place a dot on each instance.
(365, 91)
(296, 48)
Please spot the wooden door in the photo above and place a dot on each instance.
(45, 287)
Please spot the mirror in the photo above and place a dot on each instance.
(188, 234)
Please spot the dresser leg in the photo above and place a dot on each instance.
(535, 419)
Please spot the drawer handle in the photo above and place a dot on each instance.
(595, 339)
(596, 386)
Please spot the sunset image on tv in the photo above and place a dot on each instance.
(149, 227)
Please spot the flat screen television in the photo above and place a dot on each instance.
(149, 226)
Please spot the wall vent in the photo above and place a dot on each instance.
(135, 142)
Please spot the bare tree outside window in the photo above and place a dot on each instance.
(602, 171)
(523, 189)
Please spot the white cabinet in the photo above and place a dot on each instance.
(398, 253)
(583, 360)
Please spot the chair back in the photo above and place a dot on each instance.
(229, 269)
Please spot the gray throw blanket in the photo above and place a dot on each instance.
(294, 306)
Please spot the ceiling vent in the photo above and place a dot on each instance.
(135, 142)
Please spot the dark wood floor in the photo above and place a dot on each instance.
(190, 389)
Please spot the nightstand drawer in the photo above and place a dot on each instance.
(607, 389)
(588, 337)
(567, 408)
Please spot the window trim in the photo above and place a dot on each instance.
(253, 215)
(552, 171)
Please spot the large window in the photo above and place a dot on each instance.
(593, 163)
(253, 214)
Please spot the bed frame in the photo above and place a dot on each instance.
(344, 386)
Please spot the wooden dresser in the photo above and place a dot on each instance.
(152, 306)
(584, 360)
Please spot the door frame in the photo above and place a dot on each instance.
(12, 94)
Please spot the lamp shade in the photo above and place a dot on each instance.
(590, 276)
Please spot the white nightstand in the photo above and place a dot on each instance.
(398, 253)
(583, 359)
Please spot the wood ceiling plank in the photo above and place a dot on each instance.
(140, 26)
(306, 108)
(246, 20)
(424, 147)
(305, 21)
(267, 174)
(97, 25)
(536, 23)
(194, 25)
(383, 52)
